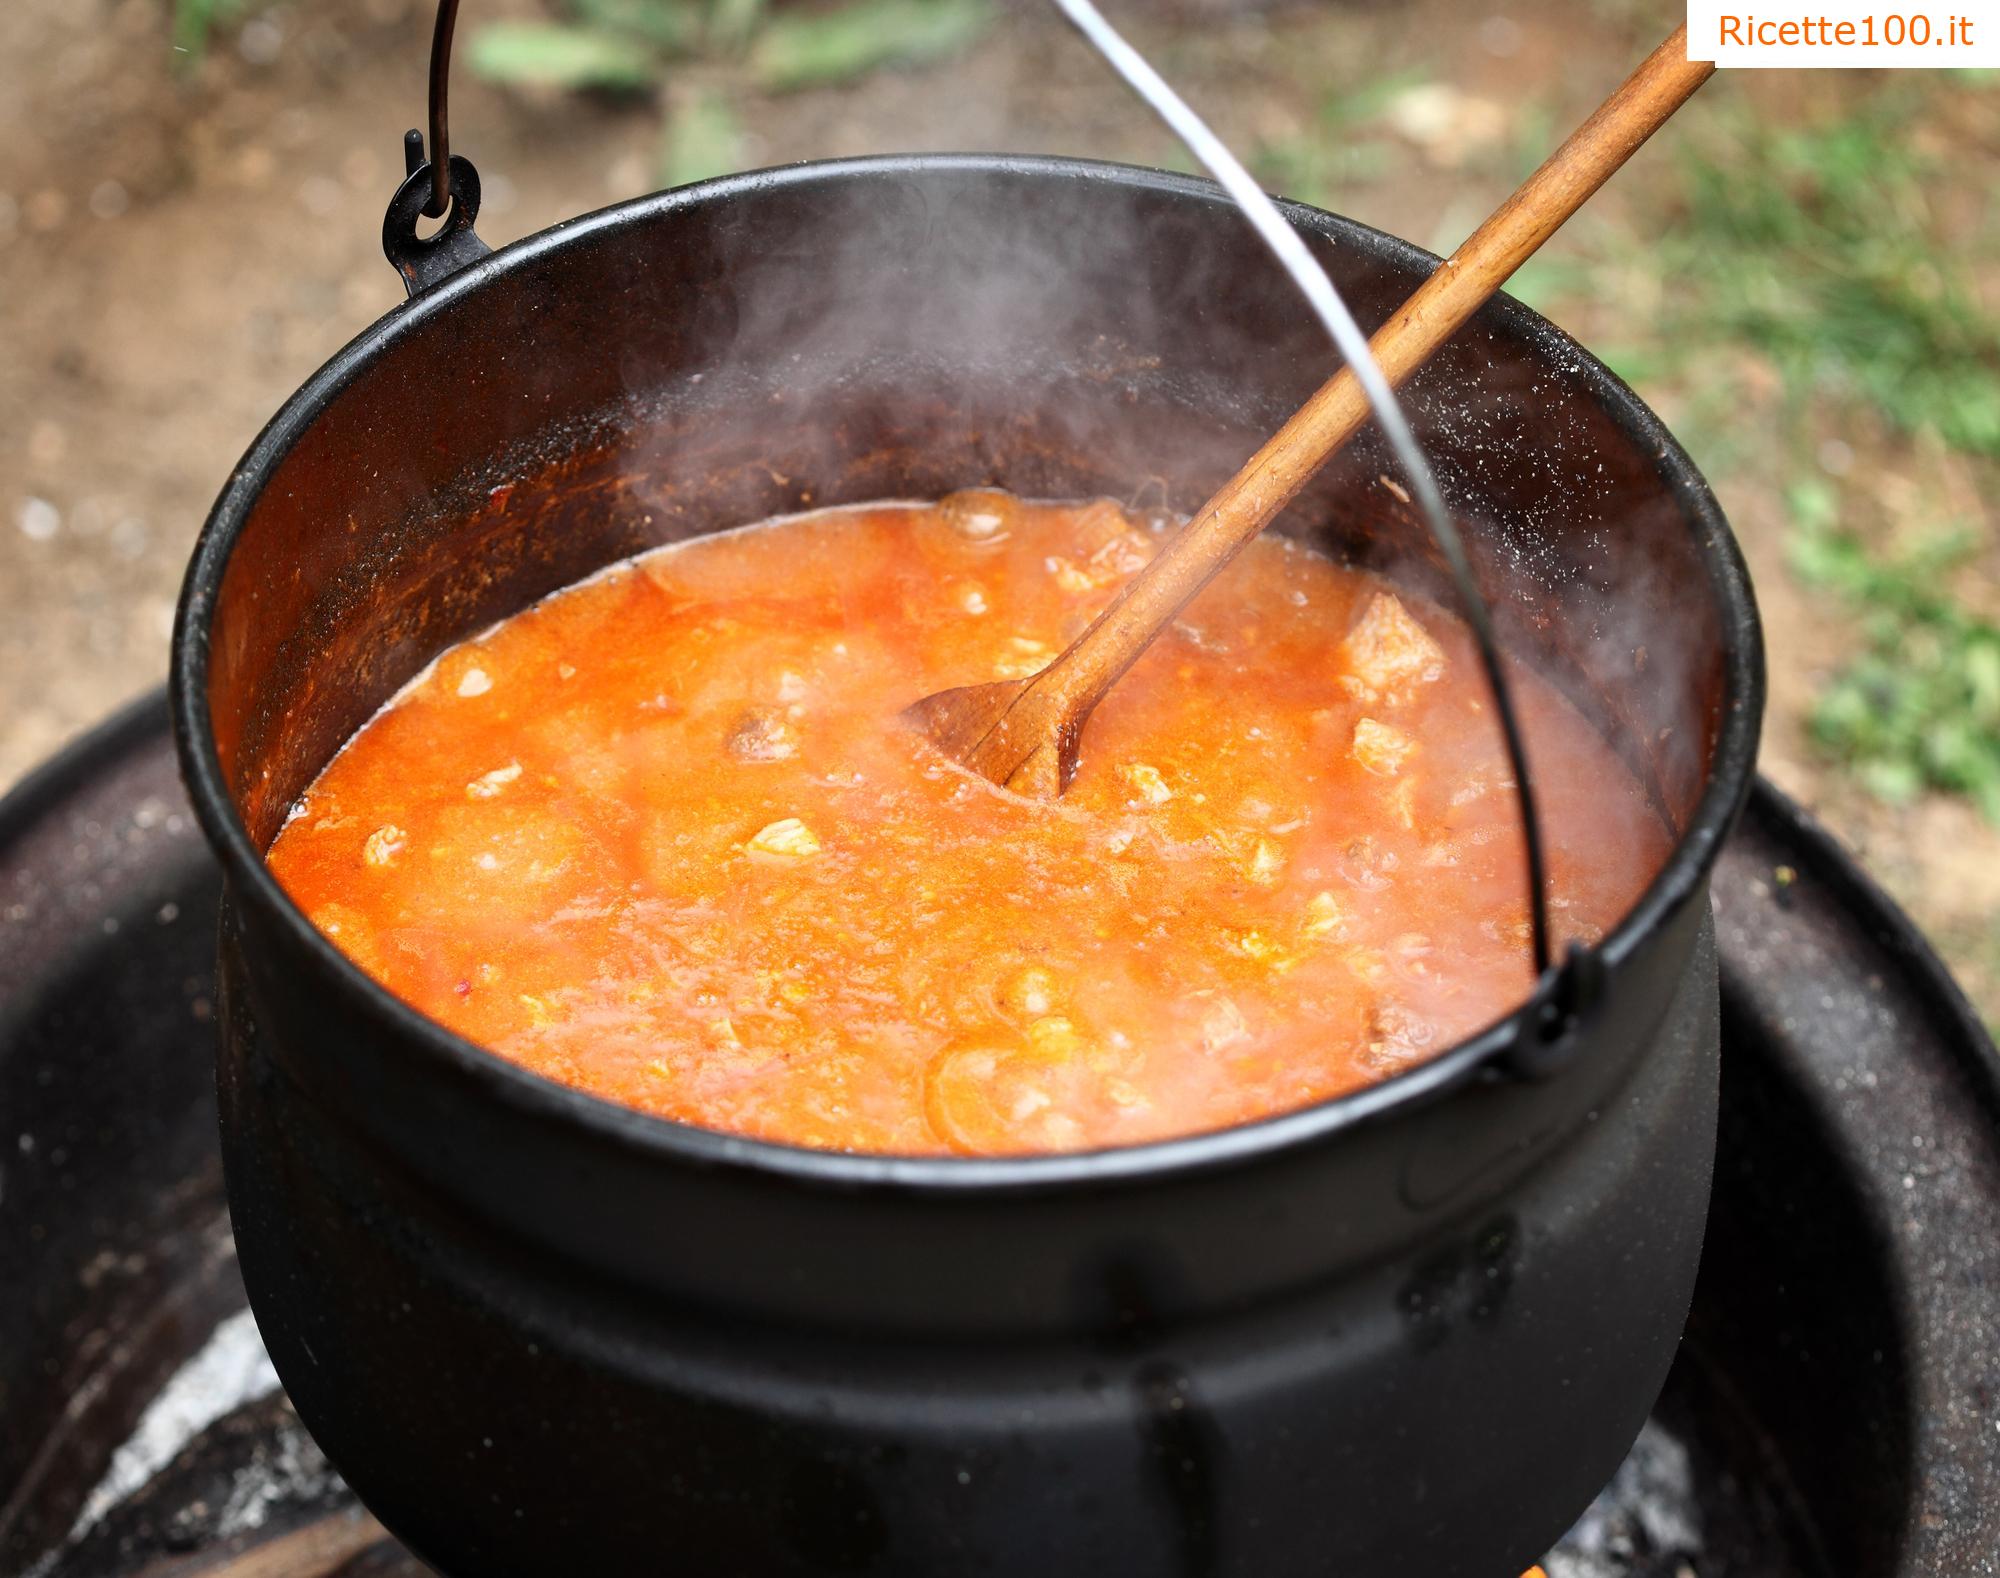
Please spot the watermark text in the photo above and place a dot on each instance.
(1845, 33)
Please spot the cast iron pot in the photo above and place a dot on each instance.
(1412, 1330)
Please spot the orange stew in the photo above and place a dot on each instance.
(661, 838)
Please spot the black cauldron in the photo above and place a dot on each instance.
(1409, 1331)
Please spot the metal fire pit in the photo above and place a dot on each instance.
(1833, 1413)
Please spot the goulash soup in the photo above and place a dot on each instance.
(661, 837)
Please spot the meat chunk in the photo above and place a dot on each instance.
(1146, 783)
(1389, 655)
(487, 785)
(788, 839)
(384, 845)
(1023, 656)
(1380, 748)
(762, 734)
(980, 515)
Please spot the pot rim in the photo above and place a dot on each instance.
(1681, 878)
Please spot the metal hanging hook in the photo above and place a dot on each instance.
(437, 184)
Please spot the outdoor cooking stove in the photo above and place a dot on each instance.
(1835, 1410)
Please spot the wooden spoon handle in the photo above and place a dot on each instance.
(1073, 684)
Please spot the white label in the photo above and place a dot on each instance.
(1904, 33)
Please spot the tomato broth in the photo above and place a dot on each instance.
(661, 837)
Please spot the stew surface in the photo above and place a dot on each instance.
(660, 837)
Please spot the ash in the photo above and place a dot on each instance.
(1645, 1524)
(230, 1370)
(218, 1459)
(286, 1471)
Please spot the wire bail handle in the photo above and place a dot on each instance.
(447, 19)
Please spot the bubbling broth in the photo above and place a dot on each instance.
(660, 837)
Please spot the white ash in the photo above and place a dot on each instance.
(1649, 1510)
(231, 1369)
(290, 1471)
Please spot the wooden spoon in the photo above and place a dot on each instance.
(1023, 732)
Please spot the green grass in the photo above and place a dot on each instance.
(1811, 255)
(1817, 246)
(1808, 253)
(806, 49)
(648, 46)
(701, 137)
(196, 20)
(1919, 707)
(1341, 152)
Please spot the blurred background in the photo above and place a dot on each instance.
(1803, 276)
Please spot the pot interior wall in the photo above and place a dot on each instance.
(839, 334)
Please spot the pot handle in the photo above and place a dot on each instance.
(438, 186)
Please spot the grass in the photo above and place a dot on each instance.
(196, 20)
(1344, 149)
(1919, 706)
(1811, 257)
(1818, 247)
(647, 48)
(650, 47)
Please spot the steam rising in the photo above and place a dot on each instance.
(1051, 342)
(901, 332)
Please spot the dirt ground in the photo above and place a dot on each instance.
(179, 248)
